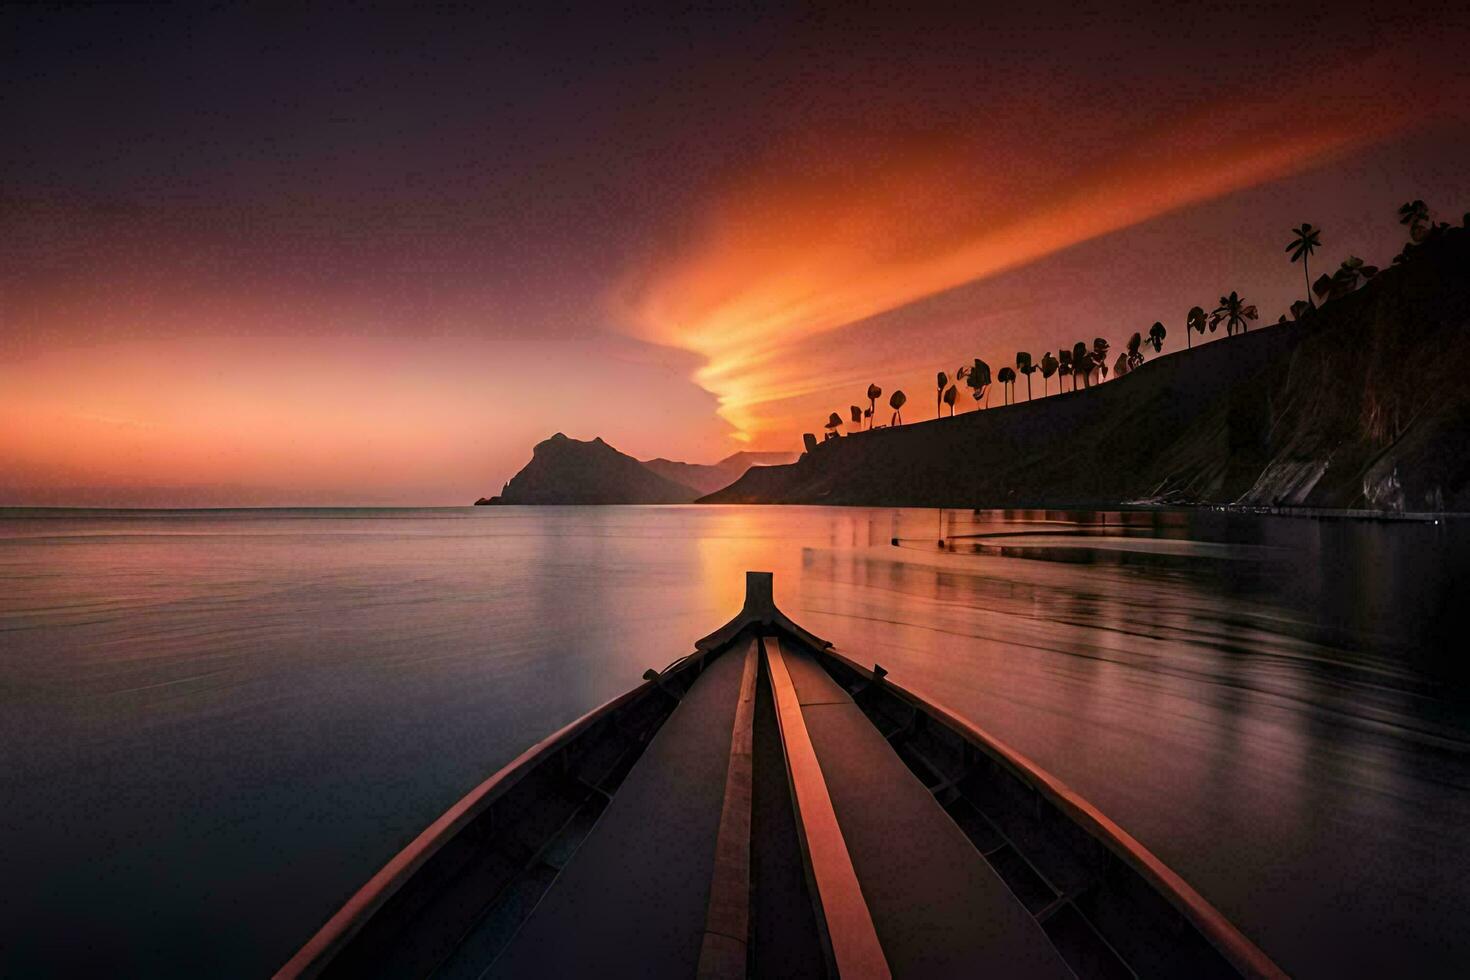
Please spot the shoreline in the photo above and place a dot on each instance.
(28, 512)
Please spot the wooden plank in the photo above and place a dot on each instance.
(1242, 954)
(633, 899)
(842, 909)
(939, 908)
(723, 953)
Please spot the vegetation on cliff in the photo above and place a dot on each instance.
(1357, 403)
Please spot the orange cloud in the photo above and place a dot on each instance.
(784, 260)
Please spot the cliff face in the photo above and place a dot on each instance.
(1373, 409)
(1360, 405)
(569, 471)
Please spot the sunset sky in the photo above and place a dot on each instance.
(274, 258)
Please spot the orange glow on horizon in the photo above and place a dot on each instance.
(684, 278)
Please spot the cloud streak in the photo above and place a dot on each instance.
(780, 263)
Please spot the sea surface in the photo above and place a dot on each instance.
(215, 725)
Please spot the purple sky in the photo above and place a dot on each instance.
(275, 258)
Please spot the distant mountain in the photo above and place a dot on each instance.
(709, 478)
(569, 471)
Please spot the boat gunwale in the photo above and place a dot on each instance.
(322, 948)
(1242, 954)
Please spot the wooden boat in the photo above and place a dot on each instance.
(767, 806)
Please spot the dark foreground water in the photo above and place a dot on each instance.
(215, 725)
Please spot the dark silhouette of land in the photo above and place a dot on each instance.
(715, 476)
(570, 471)
(1361, 403)
(1357, 403)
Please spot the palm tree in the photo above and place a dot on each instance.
(1007, 378)
(1121, 365)
(1346, 279)
(1024, 365)
(857, 415)
(1133, 357)
(1156, 335)
(950, 394)
(895, 402)
(1307, 241)
(873, 394)
(1049, 367)
(1415, 214)
(834, 422)
(1352, 270)
(1064, 368)
(1081, 365)
(977, 377)
(1194, 322)
(1100, 356)
(1234, 312)
(941, 379)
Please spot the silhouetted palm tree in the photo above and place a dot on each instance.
(950, 394)
(1081, 365)
(874, 392)
(1121, 366)
(1348, 276)
(1049, 365)
(1007, 378)
(1133, 357)
(895, 402)
(1156, 335)
(1415, 214)
(1099, 357)
(834, 422)
(977, 377)
(941, 379)
(857, 415)
(1024, 365)
(1064, 368)
(1194, 322)
(1353, 270)
(1234, 312)
(1307, 241)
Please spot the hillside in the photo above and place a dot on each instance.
(712, 477)
(570, 471)
(1362, 404)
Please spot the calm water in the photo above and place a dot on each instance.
(215, 725)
